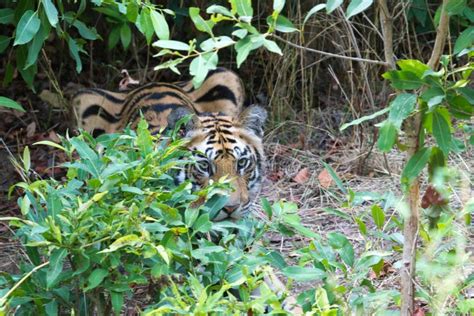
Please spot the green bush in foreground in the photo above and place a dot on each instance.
(119, 223)
(119, 232)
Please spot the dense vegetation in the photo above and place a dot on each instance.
(117, 233)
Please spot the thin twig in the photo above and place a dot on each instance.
(370, 61)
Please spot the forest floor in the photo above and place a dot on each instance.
(295, 172)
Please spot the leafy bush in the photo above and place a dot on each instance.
(119, 222)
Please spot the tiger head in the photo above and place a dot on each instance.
(232, 147)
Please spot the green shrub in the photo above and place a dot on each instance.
(119, 223)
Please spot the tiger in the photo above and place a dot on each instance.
(224, 138)
(101, 111)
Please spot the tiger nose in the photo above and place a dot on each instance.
(230, 208)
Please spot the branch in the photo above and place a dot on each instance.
(411, 222)
(441, 34)
(387, 31)
(370, 61)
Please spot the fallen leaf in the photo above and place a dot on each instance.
(419, 311)
(54, 137)
(432, 197)
(53, 99)
(325, 179)
(30, 130)
(302, 176)
(275, 175)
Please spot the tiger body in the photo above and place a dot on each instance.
(102, 111)
(225, 139)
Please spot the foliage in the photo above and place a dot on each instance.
(73, 23)
(120, 223)
(445, 96)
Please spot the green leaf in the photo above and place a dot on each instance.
(114, 37)
(313, 11)
(9, 103)
(243, 7)
(432, 92)
(160, 25)
(34, 47)
(49, 143)
(357, 6)
(29, 73)
(464, 40)
(132, 11)
(169, 44)
(6, 16)
(267, 208)
(403, 80)
(203, 224)
(362, 226)
(215, 204)
(27, 27)
(56, 264)
(294, 221)
(243, 48)
(117, 299)
(415, 165)
(332, 5)
(51, 12)
(145, 25)
(74, 50)
(455, 7)
(277, 5)
(272, 46)
(218, 9)
(303, 274)
(364, 118)
(51, 308)
(4, 42)
(127, 240)
(387, 136)
(441, 132)
(201, 65)
(125, 35)
(401, 107)
(282, 24)
(86, 153)
(335, 177)
(216, 42)
(460, 107)
(85, 32)
(437, 160)
(26, 159)
(96, 278)
(190, 215)
(378, 216)
(413, 65)
(276, 259)
(201, 24)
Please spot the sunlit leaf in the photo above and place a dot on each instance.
(27, 27)
(357, 6)
(9, 103)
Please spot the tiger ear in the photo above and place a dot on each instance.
(179, 113)
(253, 118)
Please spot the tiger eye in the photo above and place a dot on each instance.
(242, 162)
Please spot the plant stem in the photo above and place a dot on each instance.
(370, 61)
(410, 229)
(23, 279)
(387, 31)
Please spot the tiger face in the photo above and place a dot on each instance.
(231, 147)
